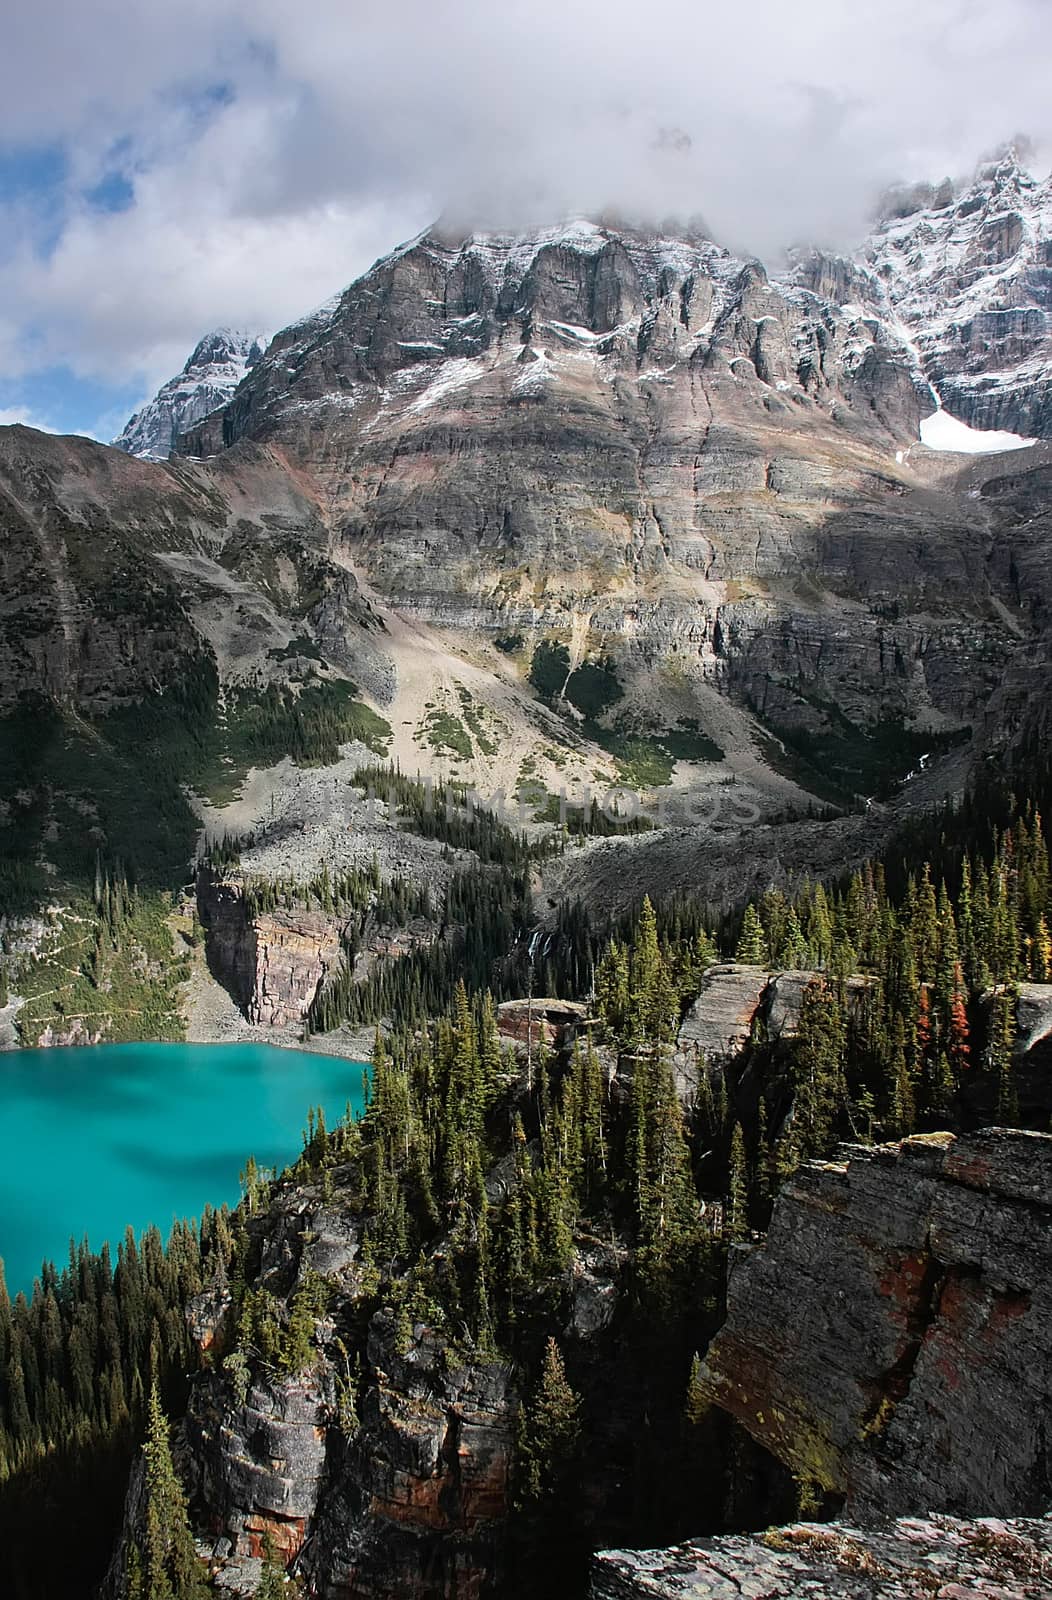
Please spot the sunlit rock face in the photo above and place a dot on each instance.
(987, 1559)
(648, 446)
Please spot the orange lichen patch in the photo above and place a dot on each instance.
(416, 1502)
(287, 1535)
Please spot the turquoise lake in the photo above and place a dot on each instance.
(94, 1139)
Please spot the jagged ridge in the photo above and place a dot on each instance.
(213, 371)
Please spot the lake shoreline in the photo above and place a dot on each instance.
(212, 1017)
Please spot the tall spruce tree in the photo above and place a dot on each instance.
(550, 1431)
(164, 1566)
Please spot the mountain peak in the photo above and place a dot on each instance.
(212, 372)
(224, 345)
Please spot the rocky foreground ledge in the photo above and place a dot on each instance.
(938, 1558)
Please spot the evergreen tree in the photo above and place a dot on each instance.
(550, 1431)
(738, 1200)
(696, 1406)
(272, 1580)
(752, 943)
(166, 1567)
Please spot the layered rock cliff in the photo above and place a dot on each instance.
(388, 1480)
(273, 962)
(889, 1342)
(657, 453)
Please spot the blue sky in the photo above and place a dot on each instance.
(38, 177)
(168, 170)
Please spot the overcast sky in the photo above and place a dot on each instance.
(168, 169)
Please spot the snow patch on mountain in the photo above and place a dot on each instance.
(940, 431)
(215, 368)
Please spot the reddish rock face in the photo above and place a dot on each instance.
(418, 1504)
(891, 1341)
(554, 1021)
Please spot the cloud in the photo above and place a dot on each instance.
(262, 156)
(11, 415)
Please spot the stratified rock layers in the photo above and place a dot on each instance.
(891, 1340)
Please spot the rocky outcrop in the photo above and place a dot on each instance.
(417, 1503)
(213, 371)
(737, 1003)
(557, 1022)
(258, 1465)
(890, 1341)
(389, 1481)
(1034, 1019)
(719, 1023)
(79, 1032)
(273, 962)
(912, 1559)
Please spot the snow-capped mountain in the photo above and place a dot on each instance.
(966, 275)
(213, 372)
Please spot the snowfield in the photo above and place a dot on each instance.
(940, 431)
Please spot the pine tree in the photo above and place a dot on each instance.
(696, 1406)
(550, 1430)
(1001, 1055)
(738, 1203)
(903, 1103)
(793, 951)
(167, 1567)
(752, 943)
(272, 1580)
(958, 1048)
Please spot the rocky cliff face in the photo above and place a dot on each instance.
(272, 962)
(121, 577)
(653, 451)
(213, 371)
(889, 1342)
(911, 1559)
(404, 1496)
(423, 1491)
(966, 275)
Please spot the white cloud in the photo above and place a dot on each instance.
(12, 415)
(339, 131)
